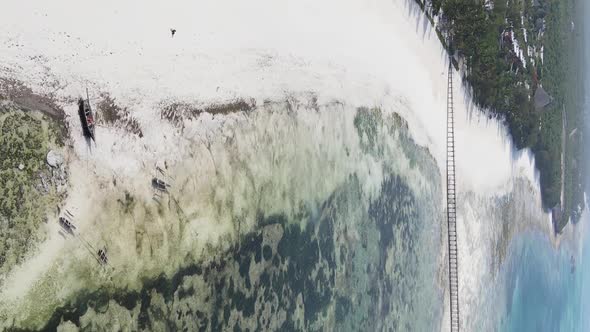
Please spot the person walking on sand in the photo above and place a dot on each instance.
(173, 31)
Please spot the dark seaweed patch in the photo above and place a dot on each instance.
(302, 252)
(343, 306)
(267, 252)
(276, 261)
(245, 266)
(226, 314)
(257, 256)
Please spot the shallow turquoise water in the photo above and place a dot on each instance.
(543, 294)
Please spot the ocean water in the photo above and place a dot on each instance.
(334, 218)
(337, 218)
(544, 290)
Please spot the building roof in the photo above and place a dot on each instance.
(542, 98)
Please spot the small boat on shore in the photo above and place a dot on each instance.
(86, 117)
(160, 185)
(102, 256)
(67, 225)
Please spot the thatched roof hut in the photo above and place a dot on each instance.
(542, 99)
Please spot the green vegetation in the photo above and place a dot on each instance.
(498, 78)
(504, 81)
(25, 139)
(564, 74)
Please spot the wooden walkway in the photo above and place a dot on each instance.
(452, 208)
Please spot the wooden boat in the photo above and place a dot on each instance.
(102, 256)
(160, 185)
(67, 225)
(86, 117)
